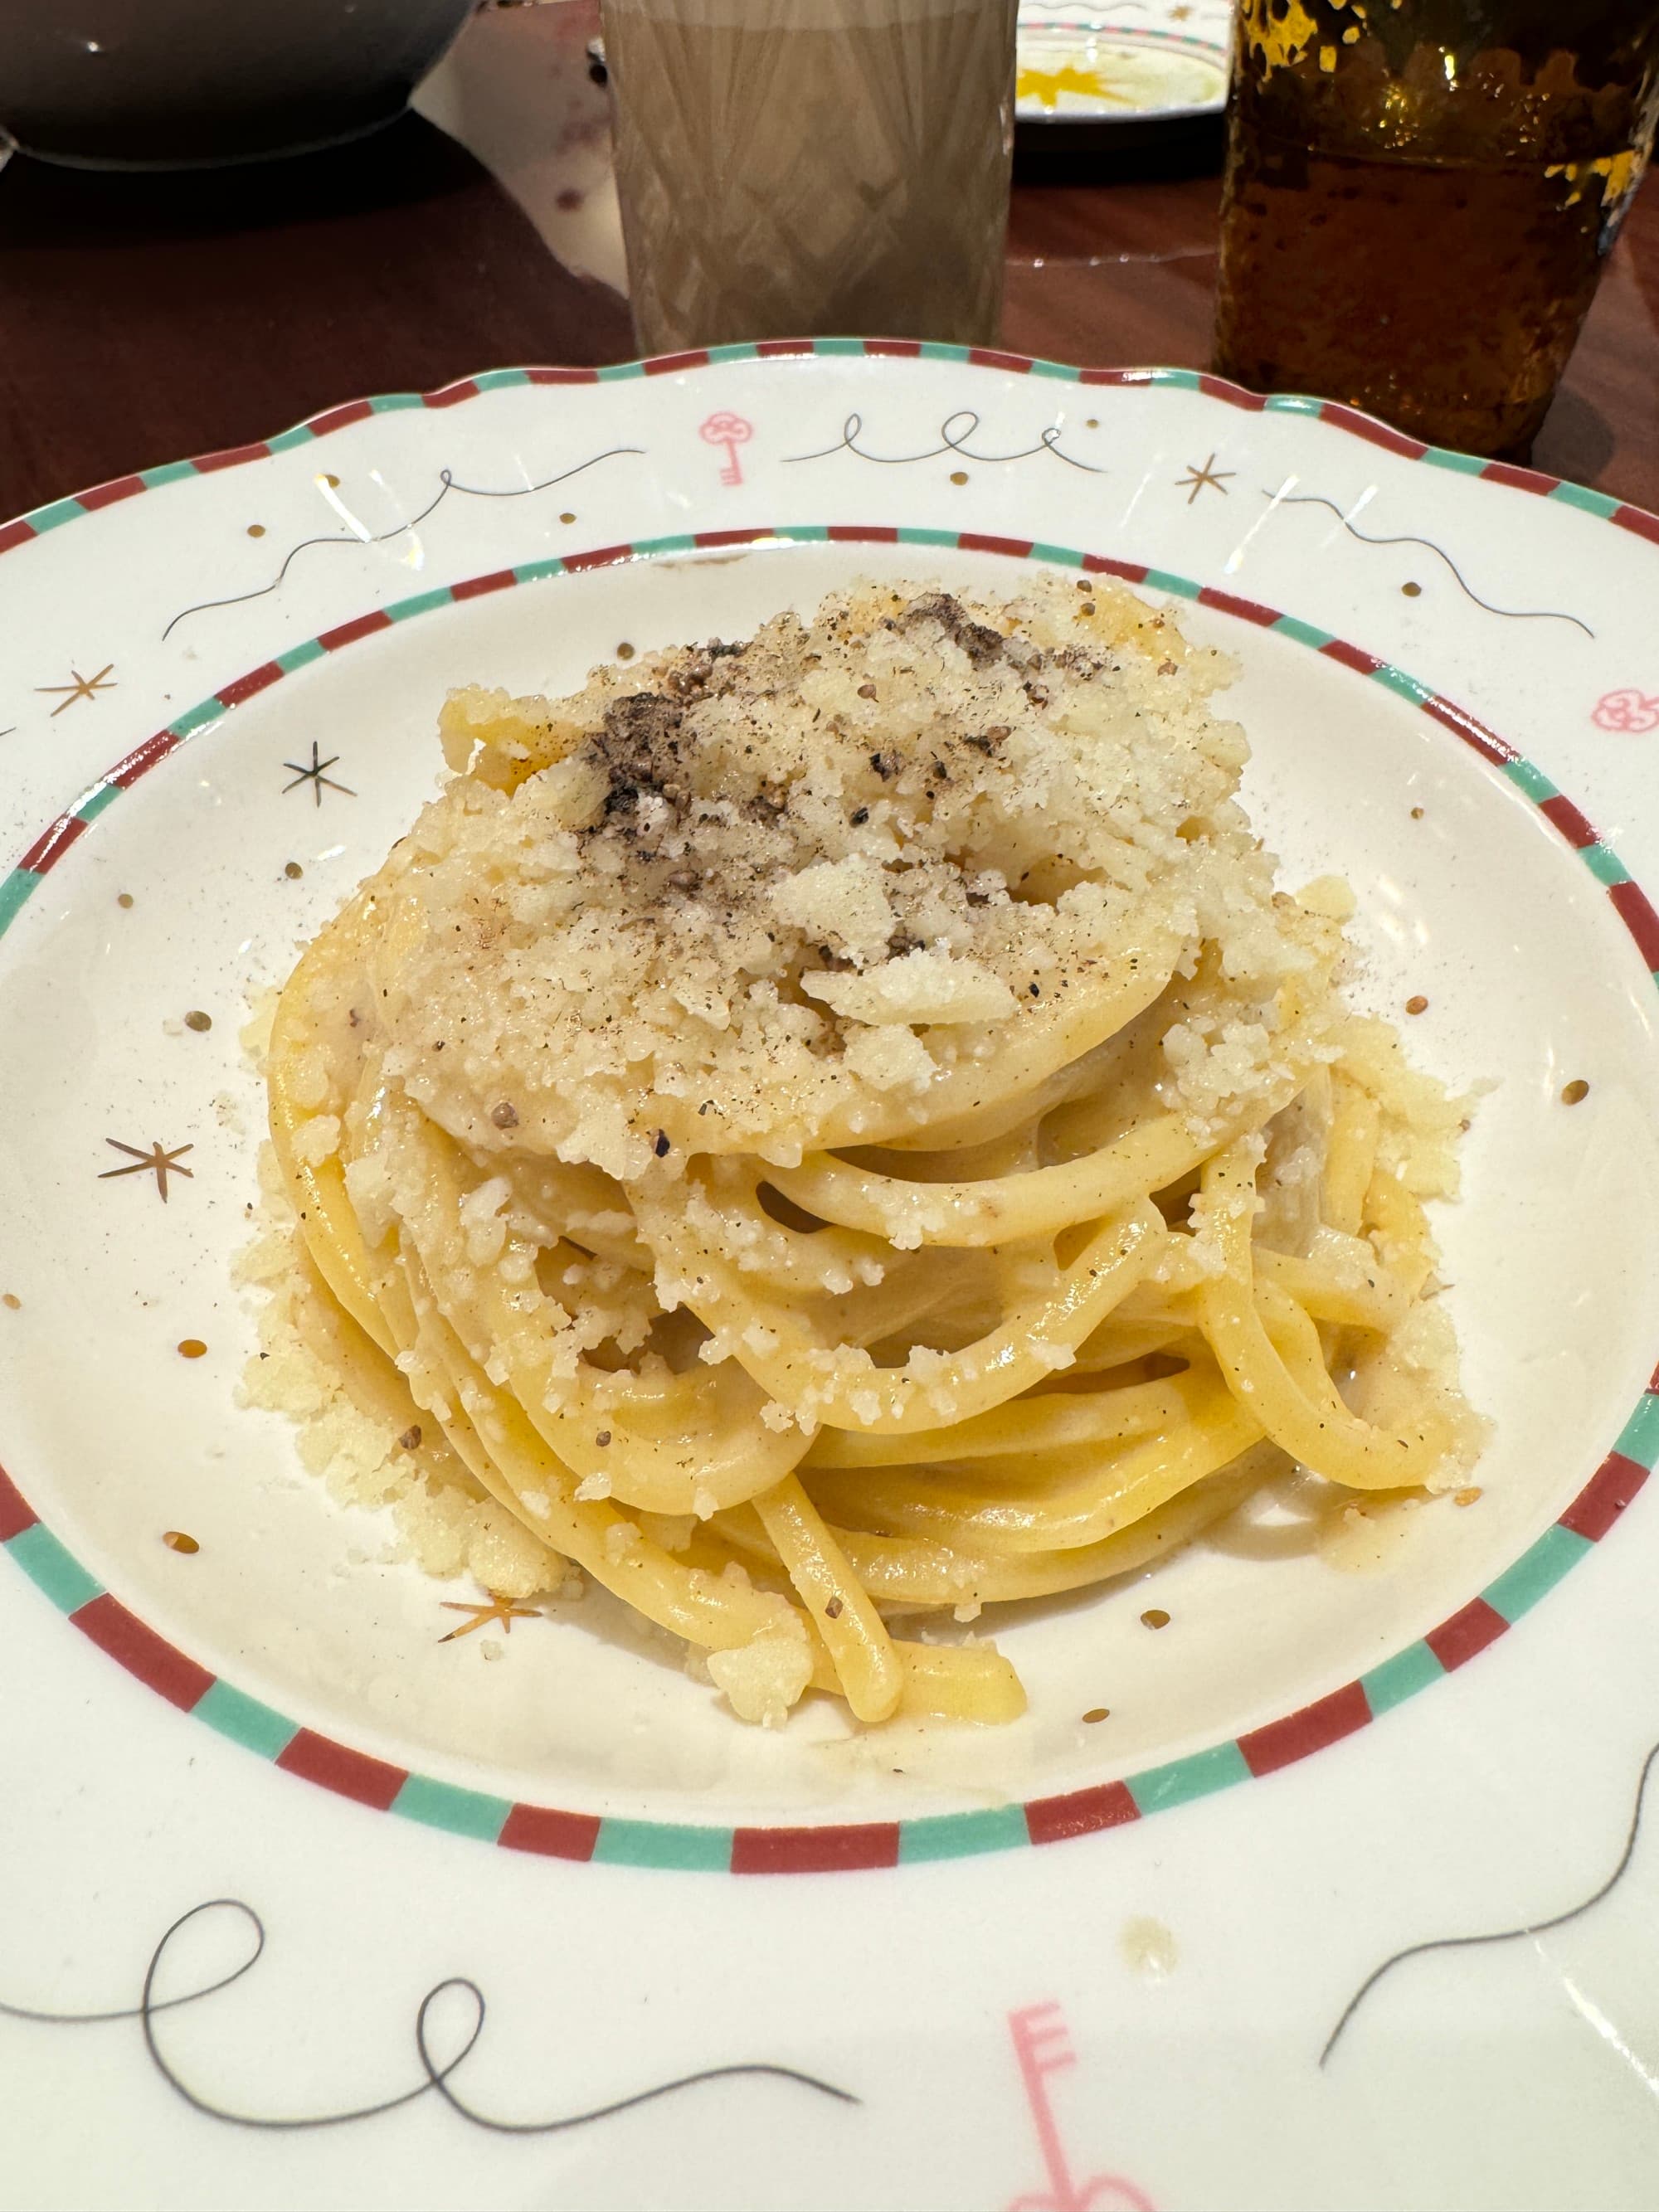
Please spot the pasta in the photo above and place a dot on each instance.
(842, 1127)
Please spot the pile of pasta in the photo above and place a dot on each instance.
(842, 1129)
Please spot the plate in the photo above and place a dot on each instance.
(1092, 73)
(218, 697)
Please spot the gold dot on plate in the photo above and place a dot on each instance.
(1575, 1091)
(11, 1302)
(1098, 1713)
(1470, 1496)
(256, 530)
(1155, 1617)
(1418, 1004)
(958, 476)
(124, 898)
(191, 1347)
(1412, 591)
(330, 480)
(293, 871)
(196, 1020)
(176, 1540)
(1417, 814)
(1093, 423)
(567, 517)
(624, 651)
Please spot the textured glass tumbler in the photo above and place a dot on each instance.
(797, 168)
(1420, 196)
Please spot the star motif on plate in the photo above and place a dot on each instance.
(1199, 479)
(158, 1161)
(79, 687)
(499, 1609)
(316, 775)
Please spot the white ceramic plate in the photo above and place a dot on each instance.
(1089, 63)
(1448, 675)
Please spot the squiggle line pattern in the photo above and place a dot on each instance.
(1505, 1934)
(954, 432)
(446, 484)
(438, 2077)
(1509, 614)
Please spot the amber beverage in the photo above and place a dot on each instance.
(1420, 195)
(812, 167)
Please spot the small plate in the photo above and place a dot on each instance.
(218, 702)
(1093, 74)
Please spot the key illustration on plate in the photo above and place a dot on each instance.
(1043, 2046)
(733, 432)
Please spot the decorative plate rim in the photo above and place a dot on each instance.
(840, 1847)
(1127, 34)
(37, 521)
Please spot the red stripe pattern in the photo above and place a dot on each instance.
(1455, 1642)
(349, 1773)
(50, 847)
(475, 587)
(1472, 732)
(1217, 387)
(1246, 610)
(140, 761)
(1573, 826)
(1532, 480)
(603, 556)
(729, 537)
(815, 1850)
(1605, 1496)
(339, 418)
(142, 1652)
(16, 1514)
(552, 1835)
(106, 494)
(1080, 1813)
(231, 457)
(1281, 1743)
(349, 633)
(246, 687)
(1638, 917)
(1350, 656)
(1012, 549)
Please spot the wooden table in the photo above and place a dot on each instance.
(146, 317)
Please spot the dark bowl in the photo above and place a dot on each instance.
(172, 84)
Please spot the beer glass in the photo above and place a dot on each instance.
(1419, 197)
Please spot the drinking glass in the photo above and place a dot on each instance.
(1420, 196)
(805, 168)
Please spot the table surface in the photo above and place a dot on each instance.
(150, 316)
